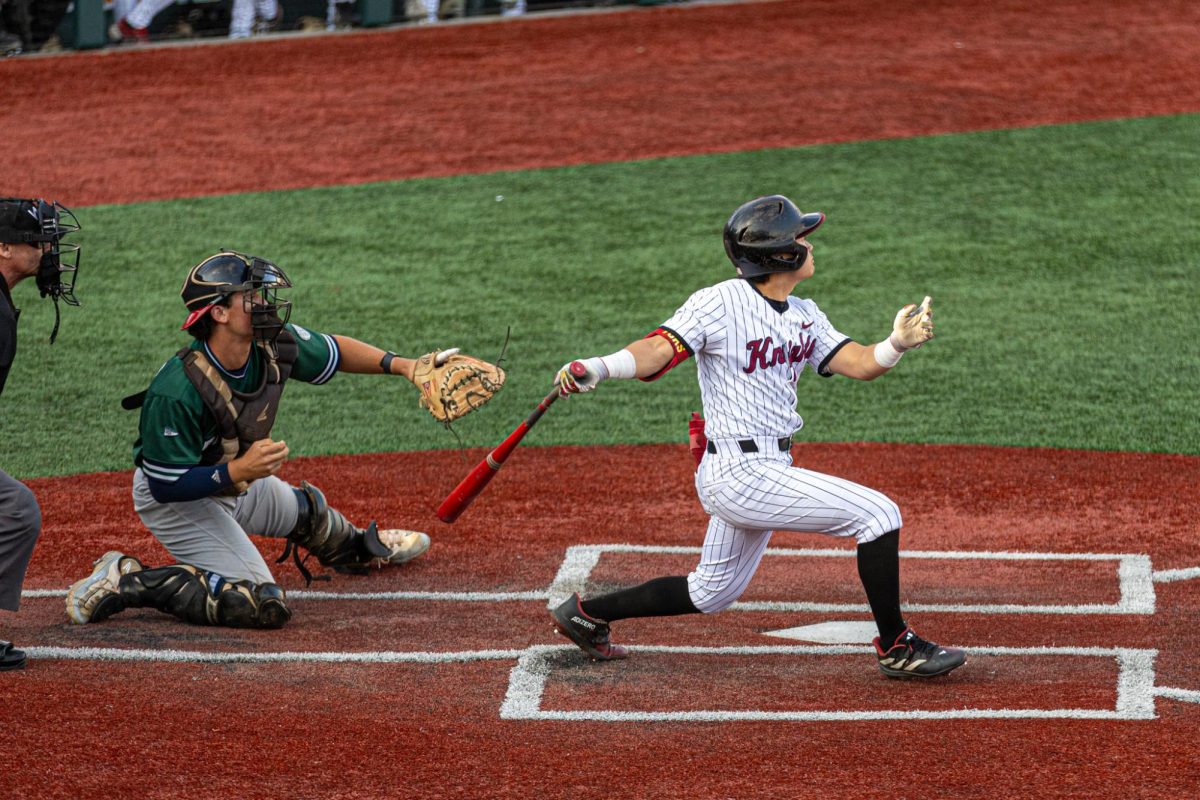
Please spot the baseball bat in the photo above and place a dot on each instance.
(477, 479)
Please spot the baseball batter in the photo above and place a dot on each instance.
(206, 462)
(31, 246)
(752, 340)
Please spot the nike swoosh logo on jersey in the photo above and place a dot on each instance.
(806, 325)
(263, 416)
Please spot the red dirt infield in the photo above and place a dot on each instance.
(454, 685)
(365, 722)
(161, 123)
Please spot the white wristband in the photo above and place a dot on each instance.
(620, 364)
(886, 355)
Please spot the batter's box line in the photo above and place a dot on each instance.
(1135, 577)
(1135, 689)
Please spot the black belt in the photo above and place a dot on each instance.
(749, 446)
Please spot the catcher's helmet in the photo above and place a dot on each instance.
(764, 229)
(216, 278)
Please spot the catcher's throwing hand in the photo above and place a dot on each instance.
(453, 385)
(913, 326)
(572, 382)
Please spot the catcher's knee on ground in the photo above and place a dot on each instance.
(203, 598)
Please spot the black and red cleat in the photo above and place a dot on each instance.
(913, 657)
(589, 633)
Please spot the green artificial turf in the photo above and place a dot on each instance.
(1062, 262)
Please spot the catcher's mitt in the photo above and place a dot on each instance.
(457, 386)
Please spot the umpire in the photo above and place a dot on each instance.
(31, 232)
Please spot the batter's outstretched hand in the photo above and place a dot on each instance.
(913, 326)
(582, 378)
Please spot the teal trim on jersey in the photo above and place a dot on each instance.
(1061, 260)
(175, 426)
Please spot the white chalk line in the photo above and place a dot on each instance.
(1183, 695)
(1169, 575)
(305, 594)
(1135, 690)
(225, 657)
(1134, 577)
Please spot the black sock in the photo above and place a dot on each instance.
(661, 597)
(879, 571)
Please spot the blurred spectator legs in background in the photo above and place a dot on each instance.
(14, 18)
(247, 17)
(133, 26)
(427, 12)
(254, 16)
(26, 25)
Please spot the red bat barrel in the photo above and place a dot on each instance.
(477, 479)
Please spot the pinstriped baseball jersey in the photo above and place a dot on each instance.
(750, 351)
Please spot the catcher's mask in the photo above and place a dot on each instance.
(38, 222)
(763, 236)
(211, 282)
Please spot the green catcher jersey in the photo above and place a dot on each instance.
(176, 426)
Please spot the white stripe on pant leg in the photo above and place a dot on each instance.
(718, 581)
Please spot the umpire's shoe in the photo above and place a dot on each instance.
(97, 597)
(589, 633)
(913, 657)
(11, 657)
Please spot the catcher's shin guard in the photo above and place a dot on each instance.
(203, 598)
(327, 534)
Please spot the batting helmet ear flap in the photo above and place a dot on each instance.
(765, 228)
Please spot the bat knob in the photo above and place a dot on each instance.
(577, 369)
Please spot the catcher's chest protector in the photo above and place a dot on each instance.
(242, 417)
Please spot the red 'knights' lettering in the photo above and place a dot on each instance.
(764, 353)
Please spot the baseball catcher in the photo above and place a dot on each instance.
(206, 461)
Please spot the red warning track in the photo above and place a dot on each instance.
(368, 729)
(120, 126)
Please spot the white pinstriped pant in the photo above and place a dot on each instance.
(749, 495)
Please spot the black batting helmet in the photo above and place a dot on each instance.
(764, 229)
(216, 278)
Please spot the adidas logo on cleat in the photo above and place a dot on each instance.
(591, 626)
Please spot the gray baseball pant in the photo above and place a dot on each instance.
(20, 524)
(211, 533)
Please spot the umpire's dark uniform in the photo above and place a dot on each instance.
(31, 232)
(20, 517)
